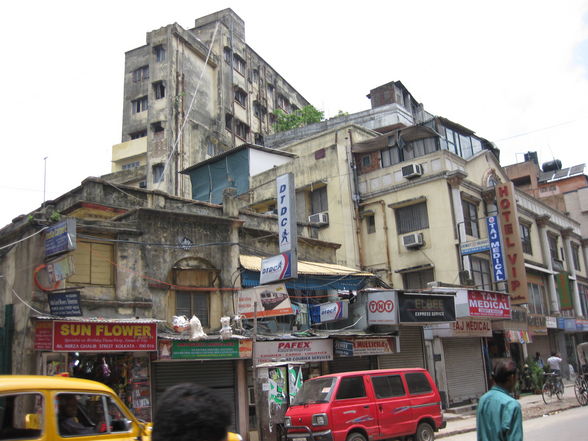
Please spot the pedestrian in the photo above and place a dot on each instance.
(190, 412)
(539, 360)
(499, 416)
(554, 363)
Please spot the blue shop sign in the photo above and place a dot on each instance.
(60, 237)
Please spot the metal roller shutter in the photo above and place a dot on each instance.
(464, 367)
(348, 364)
(411, 350)
(540, 344)
(218, 375)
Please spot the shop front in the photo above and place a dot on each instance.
(361, 353)
(116, 352)
(540, 341)
(510, 337)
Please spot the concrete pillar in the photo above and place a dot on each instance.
(454, 181)
(565, 234)
(554, 300)
(440, 370)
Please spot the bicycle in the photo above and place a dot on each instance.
(581, 390)
(553, 385)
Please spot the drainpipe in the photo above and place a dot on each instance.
(355, 197)
(382, 204)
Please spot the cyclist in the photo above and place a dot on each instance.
(554, 363)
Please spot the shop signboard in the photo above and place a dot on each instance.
(205, 349)
(518, 337)
(357, 347)
(513, 248)
(495, 248)
(60, 269)
(537, 324)
(294, 350)
(581, 325)
(72, 336)
(488, 304)
(570, 324)
(60, 237)
(65, 304)
(422, 308)
(463, 327)
(276, 268)
(329, 312)
(550, 322)
(43, 336)
(382, 307)
(272, 301)
(474, 246)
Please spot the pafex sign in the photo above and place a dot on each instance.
(295, 350)
(71, 336)
(515, 262)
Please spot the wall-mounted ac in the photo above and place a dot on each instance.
(319, 218)
(412, 171)
(413, 240)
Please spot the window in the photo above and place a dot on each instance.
(157, 170)
(210, 147)
(412, 218)
(139, 134)
(241, 129)
(255, 76)
(227, 54)
(21, 416)
(140, 74)
(525, 230)
(239, 64)
(350, 387)
(139, 105)
(418, 383)
(241, 97)
(157, 128)
(470, 216)
(536, 299)
(481, 273)
(131, 165)
(283, 103)
(371, 224)
(86, 414)
(366, 161)
(270, 90)
(576, 256)
(552, 241)
(159, 53)
(258, 110)
(229, 122)
(390, 156)
(193, 303)
(388, 386)
(417, 279)
(159, 90)
(258, 139)
(93, 263)
(319, 201)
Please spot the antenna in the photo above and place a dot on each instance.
(45, 178)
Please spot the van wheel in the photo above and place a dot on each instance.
(355, 436)
(424, 432)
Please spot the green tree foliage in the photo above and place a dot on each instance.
(298, 118)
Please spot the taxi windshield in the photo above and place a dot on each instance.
(315, 391)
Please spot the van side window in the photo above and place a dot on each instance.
(351, 387)
(388, 386)
(418, 383)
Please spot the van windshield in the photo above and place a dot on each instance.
(315, 391)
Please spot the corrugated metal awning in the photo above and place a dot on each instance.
(99, 319)
(253, 263)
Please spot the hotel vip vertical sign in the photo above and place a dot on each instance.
(285, 265)
(513, 248)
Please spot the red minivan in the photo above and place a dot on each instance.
(366, 405)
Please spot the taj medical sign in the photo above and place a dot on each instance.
(284, 265)
(515, 261)
(495, 248)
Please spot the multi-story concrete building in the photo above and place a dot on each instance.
(190, 94)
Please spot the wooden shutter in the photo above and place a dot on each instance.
(81, 261)
(101, 259)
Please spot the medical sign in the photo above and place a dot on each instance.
(496, 248)
(276, 268)
(329, 312)
(488, 304)
(286, 212)
(382, 308)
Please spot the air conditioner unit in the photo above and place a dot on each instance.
(319, 218)
(412, 171)
(413, 240)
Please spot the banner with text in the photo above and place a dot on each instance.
(294, 350)
(272, 301)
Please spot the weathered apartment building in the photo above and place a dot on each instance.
(190, 94)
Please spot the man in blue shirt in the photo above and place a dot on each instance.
(499, 416)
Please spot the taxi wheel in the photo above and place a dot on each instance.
(424, 432)
(355, 436)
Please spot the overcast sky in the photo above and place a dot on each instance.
(515, 72)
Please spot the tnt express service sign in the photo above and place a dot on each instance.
(382, 308)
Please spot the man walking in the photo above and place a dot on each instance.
(499, 416)
(189, 412)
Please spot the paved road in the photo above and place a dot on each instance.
(570, 425)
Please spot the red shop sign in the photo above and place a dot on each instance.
(488, 304)
(43, 336)
(70, 336)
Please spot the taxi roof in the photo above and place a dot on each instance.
(39, 382)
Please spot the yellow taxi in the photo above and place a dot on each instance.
(35, 407)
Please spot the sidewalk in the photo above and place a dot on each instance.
(532, 405)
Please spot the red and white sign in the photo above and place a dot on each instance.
(382, 307)
(70, 336)
(488, 304)
(43, 336)
(464, 327)
(294, 350)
